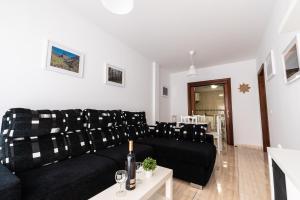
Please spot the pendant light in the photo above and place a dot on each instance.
(119, 7)
(192, 68)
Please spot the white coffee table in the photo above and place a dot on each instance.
(147, 189)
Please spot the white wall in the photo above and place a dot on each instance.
(26, 27)
(283, 99)
(246, 116)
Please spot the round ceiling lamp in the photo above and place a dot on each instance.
(213, 86)
(192, 68)
(119, 7)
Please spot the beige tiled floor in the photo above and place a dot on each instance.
(240, 173)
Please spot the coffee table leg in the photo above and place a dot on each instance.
(169, 189)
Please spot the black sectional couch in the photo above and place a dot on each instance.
(73, 154)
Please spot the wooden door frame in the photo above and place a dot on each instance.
(263, 108)
(227, 98)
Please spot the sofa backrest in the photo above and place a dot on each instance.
(35, 138)
(101, 127)
(78, 142)
(192, 132)
(32, 138)
(186, 132)
(134, 118)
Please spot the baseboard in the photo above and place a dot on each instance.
(252, 146)
(194, 185)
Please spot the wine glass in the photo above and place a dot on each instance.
(121, 177)
(139, 171)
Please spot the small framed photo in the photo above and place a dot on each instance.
(64, 60)
(164, 91)
(269, 65)
(291, 60)
(114, 75)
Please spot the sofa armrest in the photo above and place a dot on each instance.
(209, 138)
(10, 185)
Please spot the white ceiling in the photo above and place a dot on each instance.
(221, 31)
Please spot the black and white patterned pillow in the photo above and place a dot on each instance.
(115, 137)
(164, 129)
(32, 138)
(100, 139)
(199, 133)
(133, 134)
(22, 122)
(136, 124)
(101, 128)
(73, 120)
(76, 137)
(42, 137)
(171, 130)
(96, 119)
(151, 131)
(116, 117)
(25, 153)
(129, 119)
(78, 143)
(123, 132)
(161, 129)
(143, 129)
(177, 133)
(143, 117)
(4, 127)
(134, 118)
(186, 132)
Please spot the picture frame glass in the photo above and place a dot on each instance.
(164, 91)
(64, 60)
(114, 75)
(291, 62)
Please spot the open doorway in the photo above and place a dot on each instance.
(212, 99)
(209, 102)
(263, 108)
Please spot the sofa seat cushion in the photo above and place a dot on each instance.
(77, 178)
(119, 153)
(202, 154)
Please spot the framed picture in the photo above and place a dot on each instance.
(115, 75)
(164, 91)
(64, 60)
(269, 65)
(290, 57)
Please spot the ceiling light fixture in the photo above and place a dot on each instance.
(119, 7)
(213, 86)
(192, 68)
(221, 95)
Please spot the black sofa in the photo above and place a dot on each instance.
(73, 154)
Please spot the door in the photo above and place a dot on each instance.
(263, 109)
(193, 100)
(226, 84)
